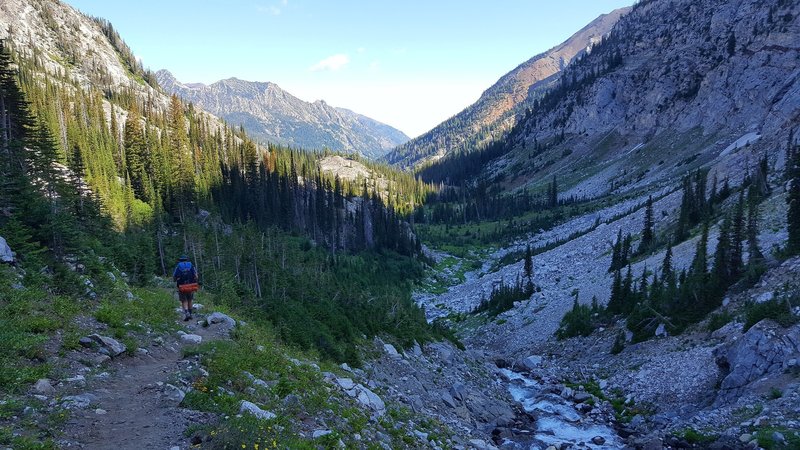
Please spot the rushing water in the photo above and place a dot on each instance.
(557, 421)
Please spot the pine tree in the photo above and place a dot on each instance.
(528, 262)
(553, 193)
(135, 154)
(722, 256)
(616, 253)
(647, 230)
(793, 198)
(615, 301)
(736, 264)
(627, 296)
(755, 256)
(666, 265)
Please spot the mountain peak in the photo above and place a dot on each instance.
(495, 111)
(271, 114)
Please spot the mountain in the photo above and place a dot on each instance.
(669, 90)
(271, 114)
(496, 110)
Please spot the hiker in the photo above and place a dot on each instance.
(185, 276)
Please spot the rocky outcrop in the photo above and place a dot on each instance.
(6, 255)
(765, 349)
(271, 114)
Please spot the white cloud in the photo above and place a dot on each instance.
(332, 63)
(271, 9)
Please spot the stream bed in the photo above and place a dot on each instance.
(557, 420)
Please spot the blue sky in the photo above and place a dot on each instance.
(410, 64)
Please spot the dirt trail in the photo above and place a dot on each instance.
(133, 409)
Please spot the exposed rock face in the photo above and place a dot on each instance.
(677, 84)
(495, 110)
(6, 255)
(766, 348)
(271, 114)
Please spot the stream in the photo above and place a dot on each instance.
(557, 421)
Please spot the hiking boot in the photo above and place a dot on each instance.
(187, 317)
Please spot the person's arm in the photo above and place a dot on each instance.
(175, 274)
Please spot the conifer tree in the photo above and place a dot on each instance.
(722, 256)
(666, 265)
(135, 154)
(615, 301)
(528, 262)
(755, 256)
(793, 198)
(647, 230)
(553, 193)
(736, 264)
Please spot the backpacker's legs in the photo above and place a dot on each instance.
(186, 304)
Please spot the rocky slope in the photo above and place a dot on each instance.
(271, 114)
(675, 85)
(496, 110)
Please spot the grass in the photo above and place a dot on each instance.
(767, 438)
(697, 438)
(254, 348)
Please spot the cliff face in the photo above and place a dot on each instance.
(495, 111)
(675, 79)
(271, 114)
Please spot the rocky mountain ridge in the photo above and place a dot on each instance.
(674, 86)
(497, 109)
(271, 114)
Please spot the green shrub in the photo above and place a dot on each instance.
(576, 322)
(777, 310)
(719, 320)
(619, 343)
(766, 438)
(695, 437)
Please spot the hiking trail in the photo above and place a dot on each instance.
(134, 404)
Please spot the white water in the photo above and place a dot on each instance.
(557, 420)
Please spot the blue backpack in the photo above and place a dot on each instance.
(184, 273)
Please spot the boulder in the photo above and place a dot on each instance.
(219, 318)
(108, 346)
(581, 397)
(253, 409)
(192, 339)
(764, 349)
(448, 400)
(6, 255)
(319, 433)
(531, 362)
(370, 400)
(79, 401)
(391, 351)
(174, 393)
(661, 330)
(43, 386)
(765, 297)
(346, 383)
(459, 392)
